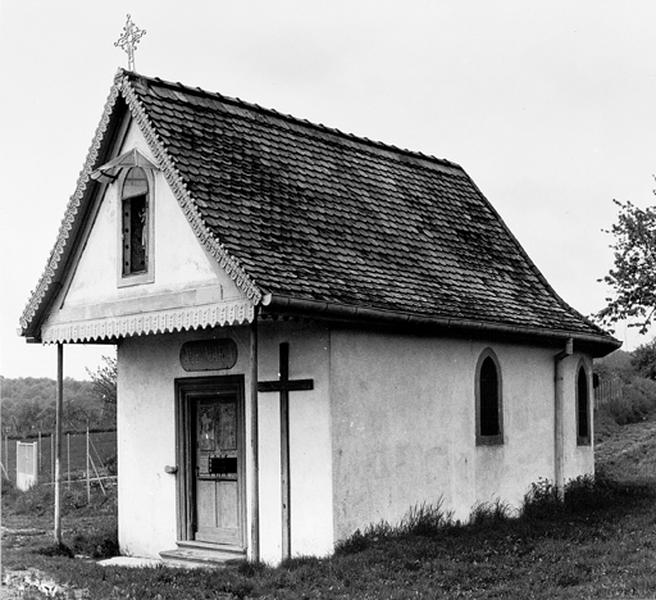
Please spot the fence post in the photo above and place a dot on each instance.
(39, 458)
(68, 458)
(52, 457)
(88, 470)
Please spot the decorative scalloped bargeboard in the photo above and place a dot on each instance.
(165, 321)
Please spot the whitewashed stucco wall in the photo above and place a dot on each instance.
(148, 367)
(403, 421)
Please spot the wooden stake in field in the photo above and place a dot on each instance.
(59, 405)
(88, 469)
(68, 459)
(38, 470)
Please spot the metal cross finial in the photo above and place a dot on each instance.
(129, 40)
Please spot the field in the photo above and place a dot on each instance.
(601, 543)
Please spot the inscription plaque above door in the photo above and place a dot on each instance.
(208, 355)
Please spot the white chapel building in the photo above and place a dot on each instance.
(314, 331)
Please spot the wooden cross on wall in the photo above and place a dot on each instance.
(284, 385)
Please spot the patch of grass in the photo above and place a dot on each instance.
(486, 514)
(39, 501)
(360, 540)
(421, 520)
(56, 550)
(426, 519)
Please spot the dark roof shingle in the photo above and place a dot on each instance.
(312, 213)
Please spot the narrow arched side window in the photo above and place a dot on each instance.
(489, 400)
(582, 407)
(135, 222)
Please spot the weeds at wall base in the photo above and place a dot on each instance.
(543, 502)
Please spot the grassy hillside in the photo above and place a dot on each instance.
(28, 405)
(628, 452)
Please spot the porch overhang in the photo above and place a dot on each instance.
(220, 314)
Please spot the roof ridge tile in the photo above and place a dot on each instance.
(301, 121)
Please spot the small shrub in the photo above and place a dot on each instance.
(38, 500)
(111, 465)
(426, 519)
(360, 541)
(542, 501)
(99, 544)
(8, 486)
(586, 493)
(422, 519)
(489, 513)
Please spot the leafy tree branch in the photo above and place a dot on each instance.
(633, 276)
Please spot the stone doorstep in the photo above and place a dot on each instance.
(134, 562)
(202, 554)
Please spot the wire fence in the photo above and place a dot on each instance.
(85, 456)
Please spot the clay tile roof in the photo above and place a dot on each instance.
(314, 214)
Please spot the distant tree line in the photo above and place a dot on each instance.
(28, 403)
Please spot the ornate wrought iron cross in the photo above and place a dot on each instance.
(129, 40)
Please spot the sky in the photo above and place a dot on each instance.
(549, 106)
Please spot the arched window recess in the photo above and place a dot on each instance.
(132, 176)
(489, 400)
(582, 406)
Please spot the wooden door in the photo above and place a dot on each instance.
(217, 468)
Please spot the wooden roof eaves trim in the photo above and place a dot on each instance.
(229, 263)
(601, 343)
(49, 283)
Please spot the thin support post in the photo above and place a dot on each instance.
(88, 469)
(40, 457)
(285, 483)
(68, 459)
(6, 456)
(52, 457)
(59, 404)
(255, 468)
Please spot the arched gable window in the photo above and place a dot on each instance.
(489, 408)
(135, 222)
(582, 407)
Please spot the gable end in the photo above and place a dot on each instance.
(50, 283)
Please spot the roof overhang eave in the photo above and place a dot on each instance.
(596, 344)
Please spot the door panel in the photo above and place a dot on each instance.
(217, 466)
